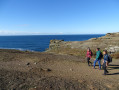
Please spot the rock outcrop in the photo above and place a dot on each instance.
(55, 43)
(110, 42)
(112, 34)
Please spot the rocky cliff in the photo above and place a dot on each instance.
(110, 42)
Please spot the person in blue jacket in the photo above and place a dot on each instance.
(98, 58)
(105, 62)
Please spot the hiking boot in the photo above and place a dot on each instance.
(107, 72)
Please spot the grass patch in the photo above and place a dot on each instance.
(72, 51)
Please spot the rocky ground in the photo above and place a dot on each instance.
(43, 71)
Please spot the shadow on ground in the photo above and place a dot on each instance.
(114, 66)
(114, 73)
(111, 67)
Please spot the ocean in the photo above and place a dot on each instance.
(38, 42)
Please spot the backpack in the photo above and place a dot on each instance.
(101, 55)
(109, 59)
(91, 53)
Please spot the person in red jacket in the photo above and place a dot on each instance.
(88, 56)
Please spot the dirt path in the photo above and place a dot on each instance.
(58, 72)
(82, 72)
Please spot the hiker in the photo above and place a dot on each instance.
(98, 58)
(105, 62)
(88, 56)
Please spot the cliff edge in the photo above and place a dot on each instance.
(109, 42)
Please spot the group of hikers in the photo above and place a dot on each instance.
(99, 55)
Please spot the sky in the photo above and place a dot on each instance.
(39, 17)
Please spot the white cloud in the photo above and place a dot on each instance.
(5, 32)
(9, 32)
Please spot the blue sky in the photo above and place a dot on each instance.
(58, 16)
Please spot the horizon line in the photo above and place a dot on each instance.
(53, 34)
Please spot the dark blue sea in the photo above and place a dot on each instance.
(38, 42)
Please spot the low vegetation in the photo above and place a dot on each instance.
(115, 55)
(69, 51)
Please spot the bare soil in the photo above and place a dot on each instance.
(43, 71)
